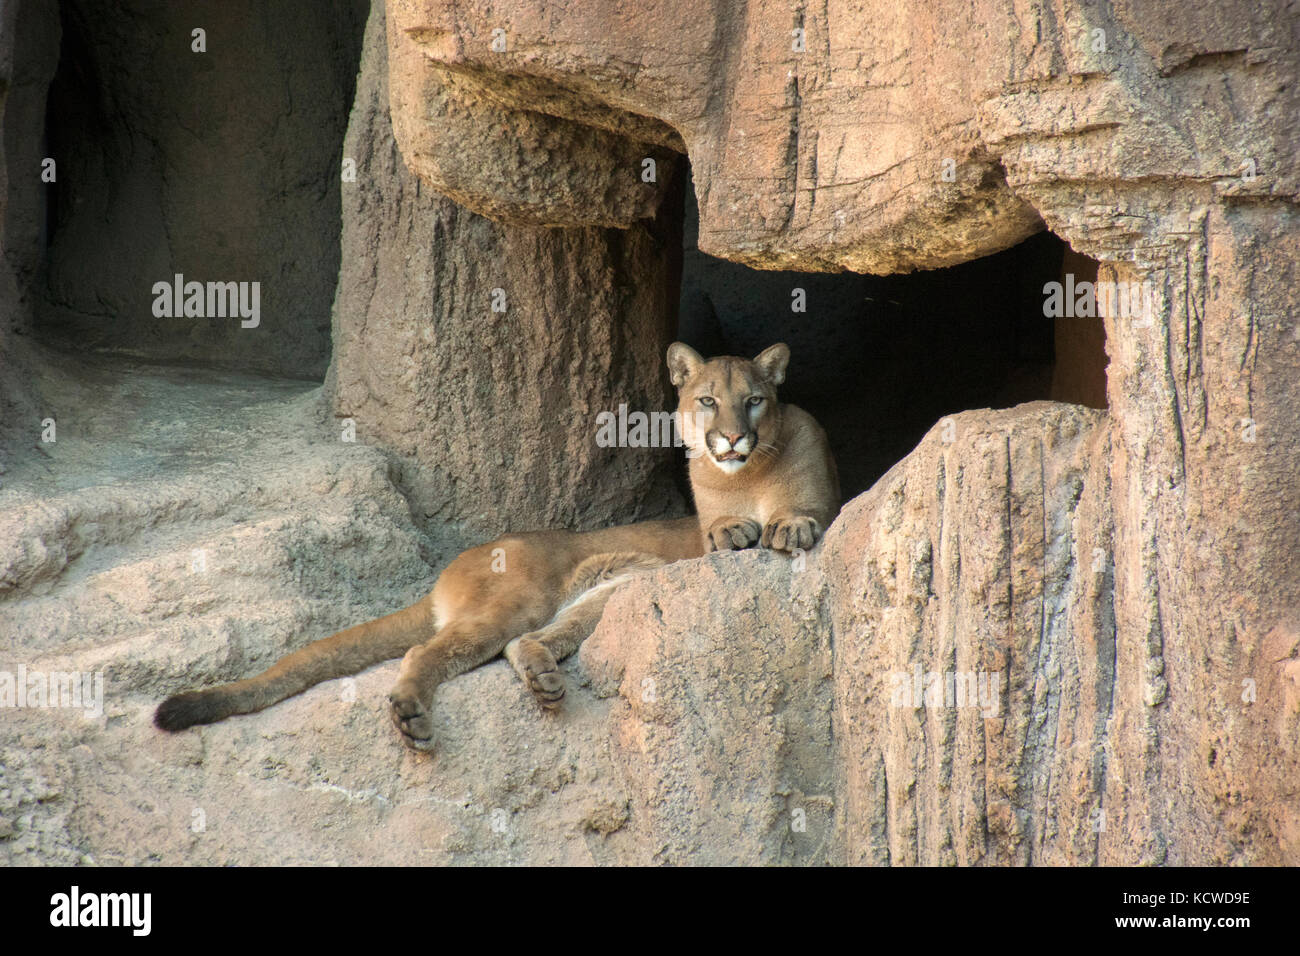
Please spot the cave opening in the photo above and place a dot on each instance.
(201, 144)
(878, 360)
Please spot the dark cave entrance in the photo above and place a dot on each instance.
(878, 360)
(215, 158)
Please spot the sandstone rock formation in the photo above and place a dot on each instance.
(819, 137)
(209, 183)
(1124, 579)
(482, 355)
(1155, 142)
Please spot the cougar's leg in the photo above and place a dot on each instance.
(461, 645)
(535, 656)
(344, 653)
(486, 596)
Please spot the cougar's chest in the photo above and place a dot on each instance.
(736, 502)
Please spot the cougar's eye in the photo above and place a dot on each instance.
(754, 401)
(707, 402)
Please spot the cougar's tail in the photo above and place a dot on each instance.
(346, 652)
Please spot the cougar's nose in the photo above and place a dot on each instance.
(732, 438)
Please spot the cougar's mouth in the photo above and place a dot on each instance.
(731, 456)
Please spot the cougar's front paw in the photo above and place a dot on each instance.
(537, 666)
(787, 534)
(411, 717)
(733, 534)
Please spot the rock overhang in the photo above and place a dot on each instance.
(873, 137)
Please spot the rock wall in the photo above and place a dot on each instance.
(493, 413)
(876, 136)
(1206, 524)
(26, 69)
(219, 164)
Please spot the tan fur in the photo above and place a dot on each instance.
(788, 492)
(536, 596)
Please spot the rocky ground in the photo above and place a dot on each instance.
(188, 526)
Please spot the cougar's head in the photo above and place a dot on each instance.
(728, 406)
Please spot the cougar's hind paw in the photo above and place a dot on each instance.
(540, 671)
(411, 718)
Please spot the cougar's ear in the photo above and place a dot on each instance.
(772, 362)
(682, 363)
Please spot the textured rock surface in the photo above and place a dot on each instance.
(494, 412)
(1207, 516)
(525, 151)
(975, 556)
(833, 155)
(727, 710)
(25, 72)
(219, 165)
(721, 724)
(183, 526)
